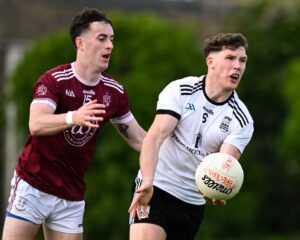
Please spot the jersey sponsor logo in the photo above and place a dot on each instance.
(70, 93)
(77, 136)
(190, 106)
(190, 149)
(224, 126)
(42, 90)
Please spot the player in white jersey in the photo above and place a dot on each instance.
(196, 116)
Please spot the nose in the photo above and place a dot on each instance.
(237, 64)
(110, 44)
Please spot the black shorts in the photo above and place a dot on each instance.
(179, 219)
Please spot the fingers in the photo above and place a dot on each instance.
(142, 211)
(218, 202)
(133, 204)
(89, 114)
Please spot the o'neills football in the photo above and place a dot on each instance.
(219, 176)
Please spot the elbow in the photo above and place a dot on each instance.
(33, 129)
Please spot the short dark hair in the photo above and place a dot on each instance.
(82, 21)
(220, 41)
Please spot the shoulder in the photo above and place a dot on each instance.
(60, 71)
(240, 110)
(112, 83)
(187, 85)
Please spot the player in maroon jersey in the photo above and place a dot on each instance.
(70, 104)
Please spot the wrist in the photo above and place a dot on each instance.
(69, 118)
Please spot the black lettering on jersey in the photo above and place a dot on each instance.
(204, 117)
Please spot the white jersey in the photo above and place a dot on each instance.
(202, 128)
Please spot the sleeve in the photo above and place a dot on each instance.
(169, 100)
(123, 113)
(44, 91)
(241, 137)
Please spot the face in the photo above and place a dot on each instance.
(95, 46)
(228, 67)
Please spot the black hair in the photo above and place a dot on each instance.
(220, 41)
(81, 22)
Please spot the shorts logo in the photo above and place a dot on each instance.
(21, 204)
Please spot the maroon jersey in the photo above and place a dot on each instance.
(56, 164)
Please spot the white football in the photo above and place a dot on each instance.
(219, 176)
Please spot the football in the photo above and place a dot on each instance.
(219, 176)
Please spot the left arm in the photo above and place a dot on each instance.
(231, 150)
(132, 133)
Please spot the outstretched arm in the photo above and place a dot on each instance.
(162, 126)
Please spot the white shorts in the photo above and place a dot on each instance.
(28, 203)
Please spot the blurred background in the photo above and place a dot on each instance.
(158, 41)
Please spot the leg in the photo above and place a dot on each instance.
(146, 231)
(55, 235)
(15, 229)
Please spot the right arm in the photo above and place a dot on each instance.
(43, 121)
(161, 127)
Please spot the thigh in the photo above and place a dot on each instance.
(66, 217)
(25, 202)
(146, 231)
(177, 219)
(15, 229)
(56, 235)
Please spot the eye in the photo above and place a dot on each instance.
(230, 57)
(243, 60)
(101, 39)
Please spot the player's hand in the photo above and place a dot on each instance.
(139, 204)
(216, 202)
(89, 114)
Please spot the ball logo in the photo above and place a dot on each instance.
(213, 185)
(220, 178)
(227, 164)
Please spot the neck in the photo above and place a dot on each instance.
(215, 91)
(86, 72)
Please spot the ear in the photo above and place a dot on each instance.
(79, 43)
(210, 61)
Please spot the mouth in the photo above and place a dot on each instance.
(106, 56)
(235, 76)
